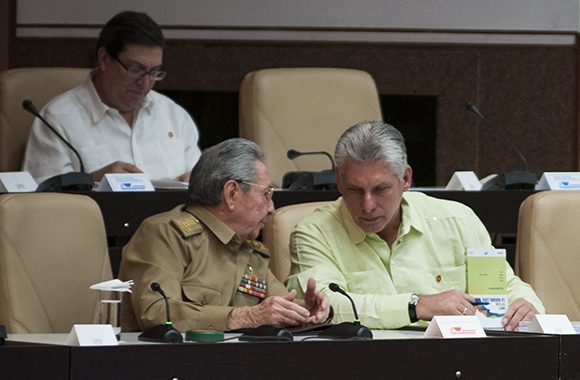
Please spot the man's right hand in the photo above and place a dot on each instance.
(451, 302)
(115, 167)
(278, 311)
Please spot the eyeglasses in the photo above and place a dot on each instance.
(137, 72)
(268, 193)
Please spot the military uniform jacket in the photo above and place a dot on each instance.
(199, 263)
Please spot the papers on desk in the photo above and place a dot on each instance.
(486, 281)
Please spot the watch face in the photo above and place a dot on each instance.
(414, 299)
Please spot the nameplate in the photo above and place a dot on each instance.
(551, 324)
(91, 335)
(125, 182)
(451, 326)
(559, 181)
(466, 180)
(17, 182)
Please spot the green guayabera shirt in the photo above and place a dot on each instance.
(428, 257)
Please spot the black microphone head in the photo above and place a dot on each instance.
(156, 287)
(470, 106)
(334, 287)
(29, 106)
(292, 154)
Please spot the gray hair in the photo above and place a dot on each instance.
(372, 141)
(233, 159)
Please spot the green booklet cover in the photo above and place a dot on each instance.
(486, 282)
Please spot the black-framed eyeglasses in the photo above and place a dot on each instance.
(137, 72)
(269, 193)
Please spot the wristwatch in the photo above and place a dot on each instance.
(413, 301)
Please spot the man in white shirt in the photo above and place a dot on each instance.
(114, 119)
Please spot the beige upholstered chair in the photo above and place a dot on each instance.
(52, 248)
(548, 249)
(306, 109)
(37, 84)
(276, 235)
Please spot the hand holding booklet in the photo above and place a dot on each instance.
(486, 282)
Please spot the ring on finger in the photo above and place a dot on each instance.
(464, 310)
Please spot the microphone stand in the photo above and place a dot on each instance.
(346, 330)
(163, 333)
(517, 179)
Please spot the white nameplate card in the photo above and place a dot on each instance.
(17, 182)
(91, 335)
(125, 182)
(559, 181)
(486, 282)
(551, 324)
(464, 181)
(451, 326)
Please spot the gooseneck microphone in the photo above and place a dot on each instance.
(72, 181)
(523, 179)
(164, 333)
(307, 180)
(346, 330)
(29, 106)
(292, 154)
(337, 289)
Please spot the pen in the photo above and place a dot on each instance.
(479, 303)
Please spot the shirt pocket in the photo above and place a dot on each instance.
(95, 157)
(201, 295)
(445, 278)
(173, 153)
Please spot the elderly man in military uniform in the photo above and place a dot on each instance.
(205, 256)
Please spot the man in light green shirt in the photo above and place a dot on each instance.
(400, 255)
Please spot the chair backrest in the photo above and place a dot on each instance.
(39, 84)
(548, 249)
(306, 109)
(52, 248)
(276, 235)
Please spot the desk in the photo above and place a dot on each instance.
(394, 354)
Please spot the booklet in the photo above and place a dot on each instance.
(486, 282)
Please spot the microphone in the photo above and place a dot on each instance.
(164, 333)
(72, 181)
(519, 179)
(346, 330)
(323, 180)
(292, 154)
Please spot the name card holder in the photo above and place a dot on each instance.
(466, 180)
(452, 327)
(559, 181)
(125, 182)
(551, 324)
(92, 335)
(17, 182)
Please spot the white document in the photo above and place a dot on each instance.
(451, 326)
(17, 182)
(125, 182)
(92, 335)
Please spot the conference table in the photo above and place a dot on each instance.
(397, 354)
(123, 212)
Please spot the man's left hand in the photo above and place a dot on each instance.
(519, 310)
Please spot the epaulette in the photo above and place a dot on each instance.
(258, 246)
(187, 225)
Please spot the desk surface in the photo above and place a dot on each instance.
(396, 354)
